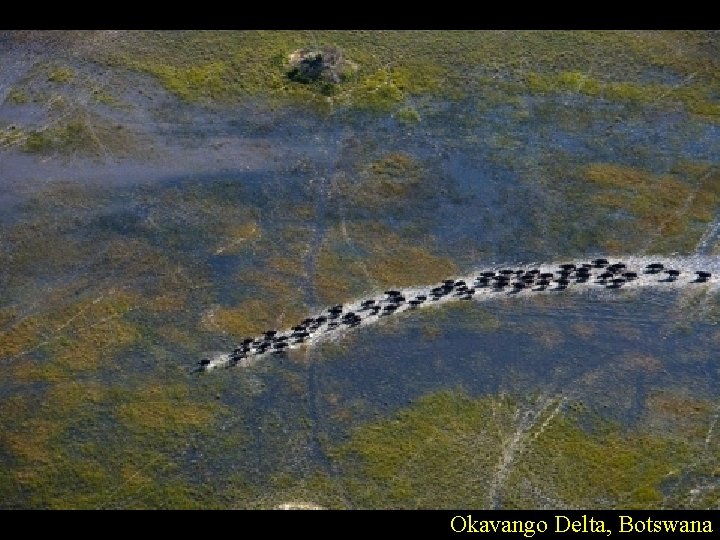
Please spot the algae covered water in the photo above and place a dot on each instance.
(164, 196)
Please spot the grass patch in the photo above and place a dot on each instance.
(419, 458)
(61, 75)
(696, 98)
(393, 65)
(17, 97)
(670, 212)
(163, 408)
(252, 317)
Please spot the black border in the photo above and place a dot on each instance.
(431, 524)
(346, 16)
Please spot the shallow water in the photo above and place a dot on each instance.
(120, 269)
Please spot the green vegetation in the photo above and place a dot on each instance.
(253, 317)
(408, 115)
(222, 66)
(667, 213)
(396, 261)
(58, 462)
(69, 138)
(17, 97)
(696, 99)
(420, 458)
(192, 83)
(11, 136)
(61, 75)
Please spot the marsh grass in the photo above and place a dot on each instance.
(448, 433)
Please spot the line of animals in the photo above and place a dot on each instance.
(513, 281)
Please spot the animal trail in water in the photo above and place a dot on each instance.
(519, 282)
